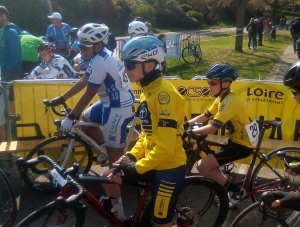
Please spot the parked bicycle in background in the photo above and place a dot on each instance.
(191, 52)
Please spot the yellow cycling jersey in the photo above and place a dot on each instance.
(162, 114)
(232, 111)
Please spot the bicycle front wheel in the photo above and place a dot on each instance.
(198, 52)
(8, 205)
(275, 177)
(56, 148)
(203, 201)
(188, 55)
(51, 215)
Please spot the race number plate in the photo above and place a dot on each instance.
(253, 132)
(57, 178)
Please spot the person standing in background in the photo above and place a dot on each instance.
(295, 32)
(10, 53)
(58, 33)
(30, 58)
(162, 37)
(150, 31)
(260, 31)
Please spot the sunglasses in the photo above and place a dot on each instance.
(294, 92)
(130, 65)
(84, 46)
(213, 83)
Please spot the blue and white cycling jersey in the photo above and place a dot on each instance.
(107, 73)
(58, 66)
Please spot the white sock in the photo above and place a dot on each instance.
(117, 208)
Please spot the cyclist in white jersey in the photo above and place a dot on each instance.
(53, 66)
(105, 76)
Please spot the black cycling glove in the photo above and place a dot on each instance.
(128, 165)
(58, 100)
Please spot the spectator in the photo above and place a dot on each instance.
(260, 31)
(137, 28)
(53, 65)
(2, 119)
(295, 32)
(252, 32)
(162, 37)
(10, 53)
(74, 50)
(58, 33)
(30, 58)
(287, 23)
(292, 22)
(149, 26)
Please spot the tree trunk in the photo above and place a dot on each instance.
(240, 18)
(275, 11)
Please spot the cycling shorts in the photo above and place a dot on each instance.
(166, 187)
(232, 152)
(114, 122)
(2, 106)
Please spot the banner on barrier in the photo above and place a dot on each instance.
(265, 101)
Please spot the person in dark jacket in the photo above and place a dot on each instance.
(252, 28)
(10, 52)
(295, 32)
(260, 31)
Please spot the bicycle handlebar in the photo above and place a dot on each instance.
(66, 109)
(71, 200)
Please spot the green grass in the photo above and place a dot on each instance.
(220, 48)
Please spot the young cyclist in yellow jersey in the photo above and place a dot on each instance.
(158, 156)
(231, 110)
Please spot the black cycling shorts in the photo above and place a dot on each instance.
(232, 152)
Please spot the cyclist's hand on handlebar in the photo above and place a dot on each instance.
(125, 163)
(58, 100)
(115, 175)
(66, 125)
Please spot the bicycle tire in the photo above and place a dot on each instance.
(38, 178)
(198, 52)
(52, 215)
(262, 174)
(8, 204)
(205, 210)
(188, 55)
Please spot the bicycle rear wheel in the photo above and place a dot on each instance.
(188, 55)
(51, 215)
(198, 52)
(203, 209)
(38, 177)
(8, 205)
(267, 179)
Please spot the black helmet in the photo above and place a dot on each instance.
(73, 33)
(292, 76)
(46, 46)
(222, 71)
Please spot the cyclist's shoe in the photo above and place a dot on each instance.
(234, 197)
(102, 157)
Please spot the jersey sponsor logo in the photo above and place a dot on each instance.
(164, 98)
(112, 138)
(164, 113)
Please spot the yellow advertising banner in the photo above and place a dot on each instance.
(268, 101)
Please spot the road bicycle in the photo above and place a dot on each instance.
(70, 206)
(267, 216)
(191, 52)
(268, 174)
(8, 204)
(75, 146)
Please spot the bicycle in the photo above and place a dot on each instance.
(269, 173)
(257, 215)
(191, 52)
(8, 204)
(75, 146)
(70, 206)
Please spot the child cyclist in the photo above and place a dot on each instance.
(158, 156)
(286, 199)
(228, 109)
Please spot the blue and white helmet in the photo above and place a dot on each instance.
(143, 48)
(222, 71)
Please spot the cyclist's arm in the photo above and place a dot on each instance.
(52, 74)
(138, 150)
(199, 119)
(77, 87)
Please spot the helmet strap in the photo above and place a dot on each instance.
(221, 89)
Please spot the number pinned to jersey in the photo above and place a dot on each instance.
(253, 132)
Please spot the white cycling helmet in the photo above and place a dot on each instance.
(93, 33)
(137, 28)
(144, 48)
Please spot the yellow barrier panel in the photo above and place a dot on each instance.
(265, 100)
